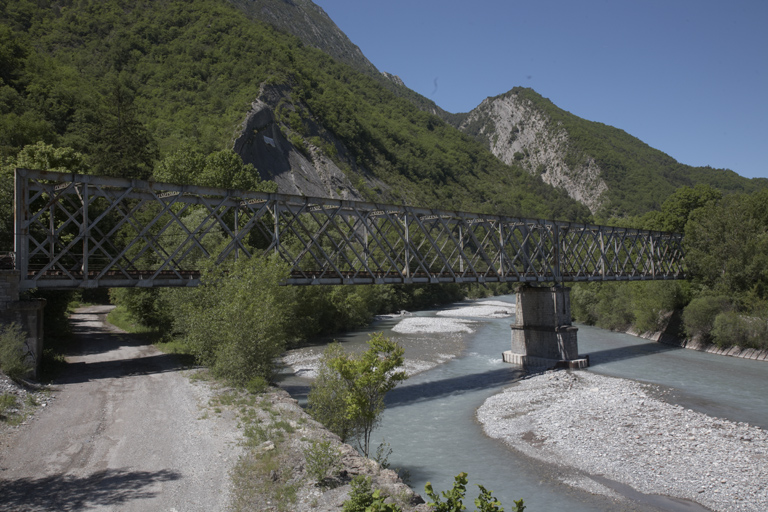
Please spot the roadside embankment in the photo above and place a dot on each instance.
(607, 433)
(276, 471)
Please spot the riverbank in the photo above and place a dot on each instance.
(608, 433)
(277, 471)
(692, 344)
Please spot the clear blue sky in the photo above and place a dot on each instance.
(687, 77)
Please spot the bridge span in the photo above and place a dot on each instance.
(83, 231)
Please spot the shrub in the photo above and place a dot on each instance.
(327, 395)
(238, 320)
(453, 498)
(322, 458)
(732, 328)
(7, 401)
(14, 356)
(257, 385)
(363, 499)
(699, 316)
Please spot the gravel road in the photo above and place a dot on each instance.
(126, 431)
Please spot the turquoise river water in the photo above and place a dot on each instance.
(430, 420)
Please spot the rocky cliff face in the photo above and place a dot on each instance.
(517, 133)
(294, 161)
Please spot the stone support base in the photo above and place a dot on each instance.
(542, 334)
(540, 362)
(28, 314)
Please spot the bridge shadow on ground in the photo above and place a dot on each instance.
(97, 339)
(110, 487)
(83, 372)
(414, 393)
(98, 352)
(612, 355)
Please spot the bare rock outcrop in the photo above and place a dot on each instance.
(294, 161)
(517, 133)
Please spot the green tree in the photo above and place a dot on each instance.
(39, 156)
(727, 244)
(238, 320)
(367, 379)
(222, 169)
(327, 395)
(121, 145)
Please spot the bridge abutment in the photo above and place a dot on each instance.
(542, 334)
(28, 314)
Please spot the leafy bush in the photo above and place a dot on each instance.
(650, 300)
(327, 396)
(322, 459)
(733, 328)
(257, 385)
(237, 321)
(7, 401)
(363, 499)
(454, 498)
(699, 316)
(14, 358)
(141, 307)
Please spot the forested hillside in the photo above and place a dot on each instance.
(127, 83)
(161, 90)
(725, 299)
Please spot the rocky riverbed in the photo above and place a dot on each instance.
(416, 335)
(609, 433)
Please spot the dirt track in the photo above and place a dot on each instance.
(127, 431)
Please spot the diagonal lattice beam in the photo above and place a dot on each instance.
(88, 231)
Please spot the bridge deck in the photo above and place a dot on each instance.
(93, 231)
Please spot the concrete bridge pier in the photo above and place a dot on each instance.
(542, 334)
(28, 314)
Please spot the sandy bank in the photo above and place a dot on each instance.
(618, 430)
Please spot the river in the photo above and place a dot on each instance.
(430, 420)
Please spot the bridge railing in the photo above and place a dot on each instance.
(77, 230)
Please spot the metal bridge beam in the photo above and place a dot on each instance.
(87, 231)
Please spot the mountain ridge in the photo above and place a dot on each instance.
(602, 166)
(214, 73)
(522, 128)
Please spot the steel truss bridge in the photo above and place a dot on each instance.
(85, 231)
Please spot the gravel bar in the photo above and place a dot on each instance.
(605, 429)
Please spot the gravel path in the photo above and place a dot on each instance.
(613, 430)
(126, 431)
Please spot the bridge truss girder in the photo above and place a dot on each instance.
(92, 231)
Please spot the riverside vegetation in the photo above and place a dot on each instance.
(725, 300)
